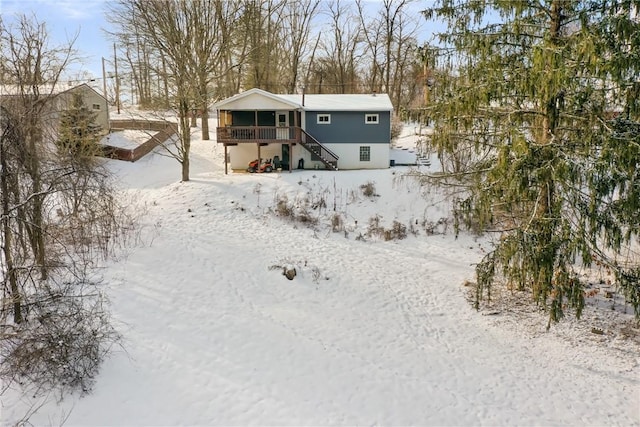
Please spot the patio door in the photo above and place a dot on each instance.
(282, 122)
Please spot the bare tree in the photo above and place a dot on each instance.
(138, 60)
(192, 39)
(33, 69)
(297, 19)
(209, 21)
(55, 204)
(261, 24)
(167, 27)
(235, 49)
(336, 68)
(391, 45)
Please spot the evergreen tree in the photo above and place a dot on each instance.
(78, 133)
(544, 95)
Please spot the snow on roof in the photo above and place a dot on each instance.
(320, 102)
(44, 89)
(128, 138)
(343, 102)
(252, 92)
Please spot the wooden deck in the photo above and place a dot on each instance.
(234, 135)
(263, 135)
(163, 131)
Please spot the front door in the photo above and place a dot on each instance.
(282, 122)
(285, 157)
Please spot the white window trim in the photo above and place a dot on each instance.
(377, 120)
(328, 122)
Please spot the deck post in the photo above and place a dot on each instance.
(225, 159)
(296, 134)
(259, 159)
(255, 128)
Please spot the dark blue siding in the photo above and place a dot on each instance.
(349, 127)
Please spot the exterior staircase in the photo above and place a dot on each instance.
(322, 153)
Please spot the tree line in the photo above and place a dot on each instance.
(281, 46)
(185, 54)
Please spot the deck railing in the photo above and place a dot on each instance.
(322, 153)
(258, 134)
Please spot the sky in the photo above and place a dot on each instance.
(66, 18)
(86, 18)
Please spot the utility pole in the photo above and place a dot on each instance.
(104, 89)
(104, 80)
(115, 61)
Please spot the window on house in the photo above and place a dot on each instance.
(96, 106)
(324, 119)
(365, 154)
(371, 119)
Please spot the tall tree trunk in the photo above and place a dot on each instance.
(37, 220)
(184, 113)
(544, 213)
(7, 247)
(205, 122)
(204, 108)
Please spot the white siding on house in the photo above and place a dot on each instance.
(90, 98)
(102, 114)
(241, 155)
(350, 156)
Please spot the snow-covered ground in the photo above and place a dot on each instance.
(369, 332)
(128, 138)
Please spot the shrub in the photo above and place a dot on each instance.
(289, 210)
(62, 345)
(436, 227)
(398, 230)
(375, 229)
(337, 224)
(283, 208)
(369, 189)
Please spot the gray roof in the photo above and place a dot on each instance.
(320, 102)
(342, 102)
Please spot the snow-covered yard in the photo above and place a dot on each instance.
(369, 332)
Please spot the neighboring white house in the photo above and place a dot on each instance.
(307, 130)
(94, 101)
(58, 98)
